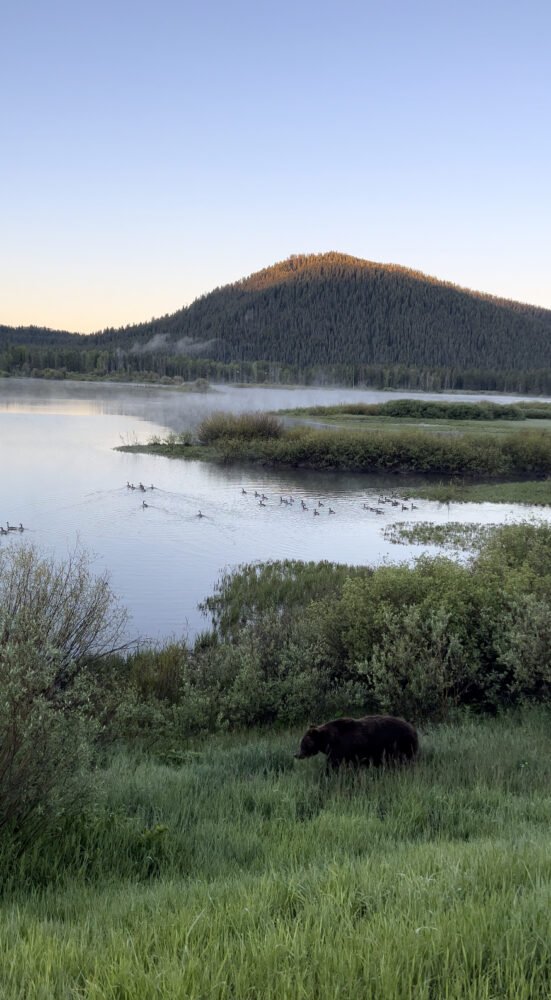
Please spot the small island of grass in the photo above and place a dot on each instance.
(458, 464)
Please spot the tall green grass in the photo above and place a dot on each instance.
(262, 439)
(431, 410)
(236, 872)
(242, 426)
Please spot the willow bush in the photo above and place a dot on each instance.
(290, 642)
(56, 623)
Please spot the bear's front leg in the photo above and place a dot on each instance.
(332, 763)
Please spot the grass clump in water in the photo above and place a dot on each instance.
(453, 534)
(239, 426)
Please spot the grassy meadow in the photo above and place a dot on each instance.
(230, 870)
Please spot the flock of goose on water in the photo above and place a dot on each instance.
(290, 500)
(262, 499)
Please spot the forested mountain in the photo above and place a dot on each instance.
(326, 311)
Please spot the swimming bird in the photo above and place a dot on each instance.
(331, 511)
(200, 514)
(261, 503)
(316, 513)
(144, 504)
(243, 491)
(320, 504)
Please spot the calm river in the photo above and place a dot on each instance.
(62, 479)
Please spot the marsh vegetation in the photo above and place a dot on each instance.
(177, 849)
(263, 439)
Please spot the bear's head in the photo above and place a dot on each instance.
(310, 744)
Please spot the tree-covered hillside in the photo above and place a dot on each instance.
(328, 310)
(332, 309)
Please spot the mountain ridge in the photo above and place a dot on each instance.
(330, 309)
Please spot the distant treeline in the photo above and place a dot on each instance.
(93, 363)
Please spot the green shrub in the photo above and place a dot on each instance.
(245, 426)
(62, 603)
(45, 735)
(56, 620)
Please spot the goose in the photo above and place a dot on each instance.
(331, 511)
(316, 513)
(144, 504)
(243, 491)
(200, 514)
(320, 504)
(261, 503)
(11, 527)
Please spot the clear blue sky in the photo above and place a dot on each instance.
(150, 152)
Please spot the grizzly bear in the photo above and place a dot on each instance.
(371, 740)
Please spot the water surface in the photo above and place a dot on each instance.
(63, 480)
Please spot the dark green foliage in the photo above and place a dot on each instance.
(423, 409)
(292, 642)
(311, 319)
(514, 455)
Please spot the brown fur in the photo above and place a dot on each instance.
(371, 740)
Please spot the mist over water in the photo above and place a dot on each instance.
(61, 478)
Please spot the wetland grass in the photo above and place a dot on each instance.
(262, 439)
(453, 534)
(240, 873)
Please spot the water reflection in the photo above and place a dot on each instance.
(65, 483)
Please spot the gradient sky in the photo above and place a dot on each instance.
(150, 152)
